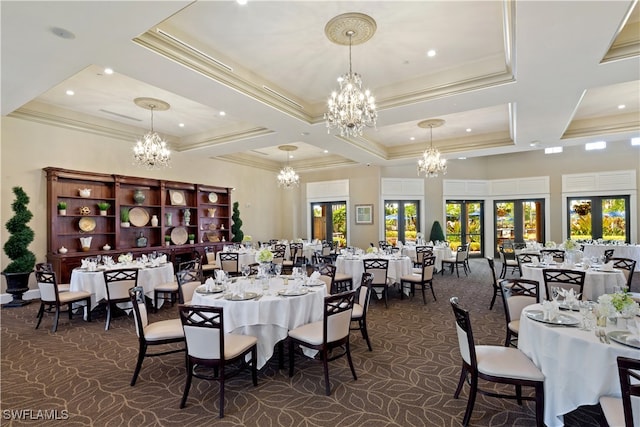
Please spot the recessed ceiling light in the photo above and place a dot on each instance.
(431, 53)
(222, 113)
(181, 125)
(621, 107)
(598, 145)
(325, 151)
(241, 2)
(291, 156)
(462, 158)
(70, 92)
(108, 70)
(553, 150)
(635, 141)
(468, 129)
(413, 138)
(534, 143)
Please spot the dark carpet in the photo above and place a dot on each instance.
(82, 373)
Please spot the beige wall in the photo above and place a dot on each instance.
(267, 211)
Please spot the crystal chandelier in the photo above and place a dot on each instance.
(151, 151)
(288, 178)
(350, 109)
(430, 163)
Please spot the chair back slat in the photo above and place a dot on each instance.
(378, 268)
(428, 264)
(364, 291)
(203, 331)
(48, 286)
(188, 281)
(627, 266)
(562, 278)
(421, 252)
(337, 315)
(229, 261)
(139, 309)
(118, 283)
(465, 335)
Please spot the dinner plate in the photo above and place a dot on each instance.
(625, 338)
(292, 293)
(213, 197)
(214, 290)
(560, 319)
(177, 197)
(179, 236)
(313, 283)
(87, 224)
(138, 217)
(245, 297)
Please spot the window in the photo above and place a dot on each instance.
(599, 217)
(329, 222)
(517, 221)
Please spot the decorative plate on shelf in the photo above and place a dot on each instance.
(179, 236)
(87, 224)
(213, 197)
(138, 217)
(212, 226)
(177, 197)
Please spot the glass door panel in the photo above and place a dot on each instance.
(474, 227)
(410, 222)
(401, 220)
(505, 223)
(614, 219)
(599, 217)
(329, 222)
(464, 225)
(580, 219)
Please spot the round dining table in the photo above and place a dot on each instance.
(596, 282)
(93, 281)
(353, 266)
(271, 315)
(578, 367)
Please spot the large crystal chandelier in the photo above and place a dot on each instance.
(350, 109)
(430, 164)
(151, 151)
(288, 178)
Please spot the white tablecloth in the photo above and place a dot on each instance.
(578, 368)
(93, 281)
(619, 251)
(354, 267)
(270, 318)
(596, 283)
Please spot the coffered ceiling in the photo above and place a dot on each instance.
(506, 77)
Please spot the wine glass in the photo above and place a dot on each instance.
(277, 268)
(555, 293)
(246, 270)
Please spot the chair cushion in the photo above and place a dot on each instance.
(514, 326)
(73, 296)
(411, 278)
(208, 267)
(287, 263)
(341, 277)
(310, 333)
(163, 330)
(506, 362)
(167, 287)
(612, 410)
(511, 262)
(235, 345)
(357, 311)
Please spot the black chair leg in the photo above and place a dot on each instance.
(141, 352)
(187, 386)
(365, 333)
(55, 321)
(40, 314)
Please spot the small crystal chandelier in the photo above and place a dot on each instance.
(430, 163)
(288, 178)
(350, 109)
(151, 151)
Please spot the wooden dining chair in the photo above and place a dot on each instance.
(627, 266)
(118, 283)
(229, 263)
(526, 259)
(495, 283)
(361, 306)
(188, 280)
(327, 334)
(210, 350)
(556, 254)
(608, 254)
(421, 252)
(503, 365)
(461, 258)
(618, 411)
(379, 268)
(508, 258)
(158, 333)
(423, 280)
(563, 278)
(516, 295)
(47, 267)
(53, 299)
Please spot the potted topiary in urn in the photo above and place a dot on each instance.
(16, 247)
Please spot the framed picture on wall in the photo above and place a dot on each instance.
(364, 214)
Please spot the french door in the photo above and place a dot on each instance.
(465, 220)
(401, 220)
(604, 217)
(329, 222)
(517, 221)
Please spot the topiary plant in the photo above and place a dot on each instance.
(436, 232)
(236, 227)
(17, 245)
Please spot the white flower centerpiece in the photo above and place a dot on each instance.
(264, 255)
(570, 245)
(619, 307)
(125, 258)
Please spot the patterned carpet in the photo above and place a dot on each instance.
(408, 380)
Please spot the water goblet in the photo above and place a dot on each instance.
(277, 269)
(246, 270)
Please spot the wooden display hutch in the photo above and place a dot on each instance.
(180, 209)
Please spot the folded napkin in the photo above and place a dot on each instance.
(85, 263)
(608, 266)
(549, 310)
(315, 276)
(220, 275)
